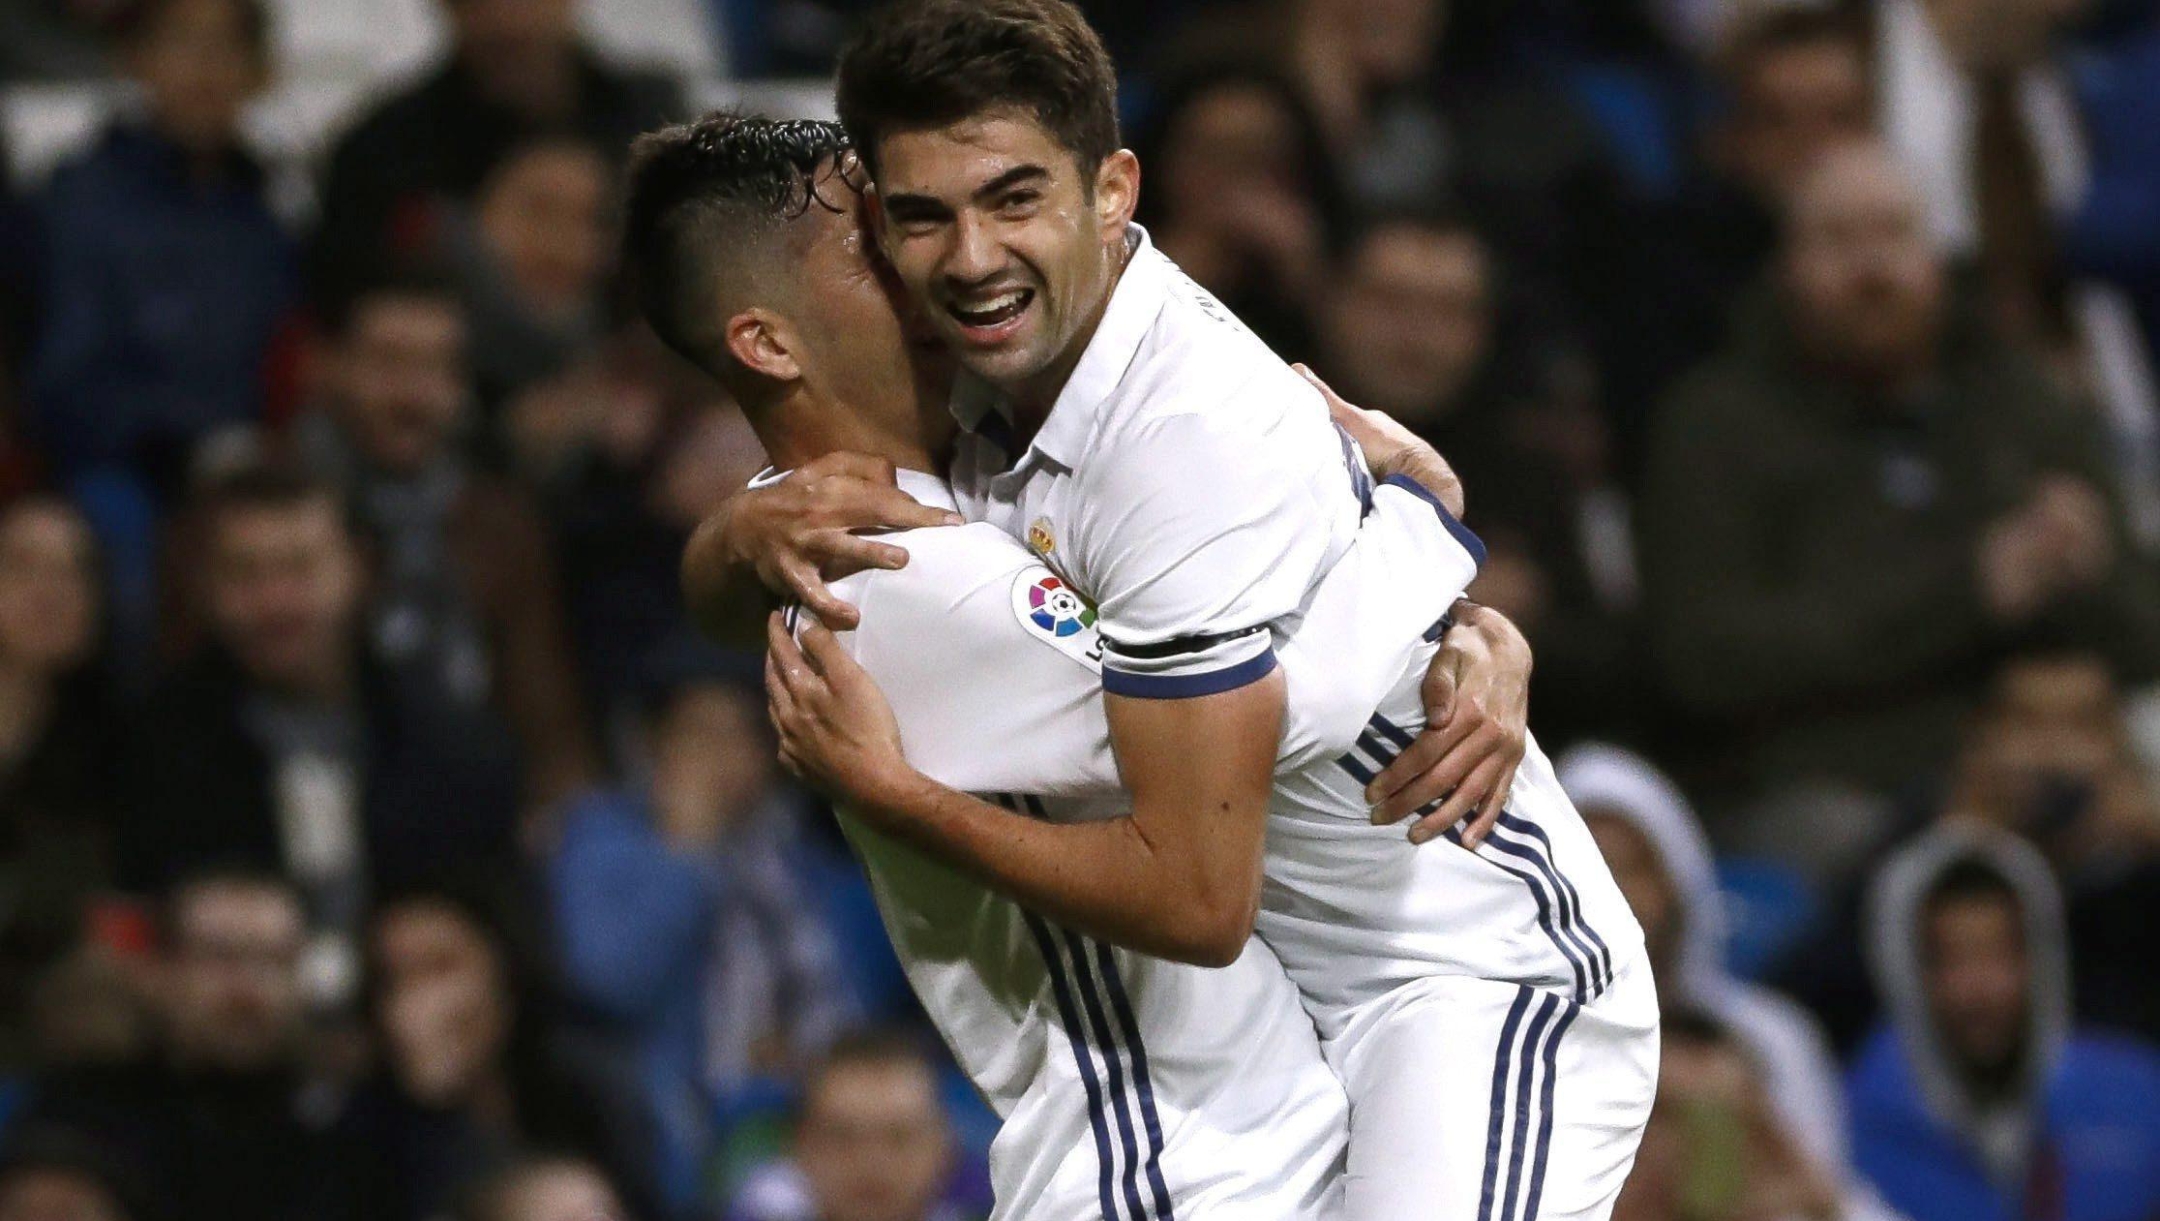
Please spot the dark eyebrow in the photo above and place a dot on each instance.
(1010, 179)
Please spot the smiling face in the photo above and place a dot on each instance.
(1009, 243)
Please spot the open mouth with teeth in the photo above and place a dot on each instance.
(991, 319)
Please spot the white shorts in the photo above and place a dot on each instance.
(1472, 1100)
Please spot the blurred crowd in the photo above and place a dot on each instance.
(378, 840)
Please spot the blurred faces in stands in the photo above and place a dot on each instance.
(874, 1141)
(543, 214)
(2050, 758)
(48, 589)
(199, 62)
(712, 760)
(1863, 279)
(522, 54)
(443, 1002)
(1798, 85)
(233, 996)
(396, 373)
(1645, 882)
(1977, 974)
(1411, 319)
(546, 1189)
(284, 583)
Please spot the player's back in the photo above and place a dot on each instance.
(1130, 1086)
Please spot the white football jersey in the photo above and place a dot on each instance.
(1190, 484)
(1130, 1087)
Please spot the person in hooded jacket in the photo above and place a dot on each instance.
(1650, 837)
(1979, 1099)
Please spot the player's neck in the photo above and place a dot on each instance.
(797, 434)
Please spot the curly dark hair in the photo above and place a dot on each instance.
(929, 63)
(705, 196)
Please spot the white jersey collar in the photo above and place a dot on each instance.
(1135, 302)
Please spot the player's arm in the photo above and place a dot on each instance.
(1477, 689)
(1179, 878)
(796, 534)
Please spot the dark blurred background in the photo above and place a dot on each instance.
(378, 842)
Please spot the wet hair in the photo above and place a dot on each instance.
(929, 63)
(705, 200)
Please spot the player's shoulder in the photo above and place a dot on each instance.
(944, 564)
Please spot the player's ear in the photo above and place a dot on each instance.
(1117, 191)
(761, 342)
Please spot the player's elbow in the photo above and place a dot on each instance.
(1211, 932)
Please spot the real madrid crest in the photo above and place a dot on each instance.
(1039, 539)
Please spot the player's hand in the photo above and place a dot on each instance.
(1391, 449)
(804, 531)
(1477, 708)
(836, 730)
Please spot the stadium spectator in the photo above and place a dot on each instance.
(516, 69)
(1414, 325)
(2048, 758)
(1793, 83)
(1856, 509)
(543, 1189)
(872, 1142)
(167, 275)
(464, 593)
(2106, 235)
(1977, 97)
(286, 745)
(686, 915)
(1979, 1097)
(477, 1072)
(1714, 1149)
(1661, 860)
(1243, 194)
(531, 254)
(225, 1121)
(57, 739)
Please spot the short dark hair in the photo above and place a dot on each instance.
(263, 483)
(701, 196)
(136, 22)
(1773, 30)
(929, 63)
(1970, 878)
(875, 1045)
(406, 280)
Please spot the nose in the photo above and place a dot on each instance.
(975, 255)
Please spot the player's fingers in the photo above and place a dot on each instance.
(1337, 406)
(787, 657)
(1447, 774)
(1457, 805)
(1442, 683)
(779, 701)
(826, 655)
(1401, 776)
(896, 510)
(804, 581)
(841, 554)
(1489, 812)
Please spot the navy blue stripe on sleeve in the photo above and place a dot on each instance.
(1470, 542)
(1188, 686)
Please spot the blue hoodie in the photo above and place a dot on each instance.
(2080, 1138)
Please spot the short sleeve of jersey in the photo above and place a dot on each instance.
(990, 664)
(1197, 540)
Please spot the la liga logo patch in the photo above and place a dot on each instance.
(1056, 609)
